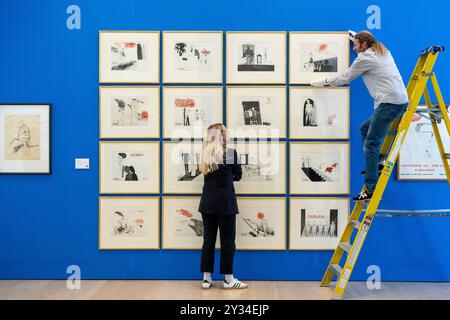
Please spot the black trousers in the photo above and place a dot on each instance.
(227, 226)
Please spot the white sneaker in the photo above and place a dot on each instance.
(207, 285)
(236, 284)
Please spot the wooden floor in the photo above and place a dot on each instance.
(190, 290)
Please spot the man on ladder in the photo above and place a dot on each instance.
(385, 84)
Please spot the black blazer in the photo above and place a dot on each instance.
(218, 195)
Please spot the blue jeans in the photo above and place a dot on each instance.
(373, 131)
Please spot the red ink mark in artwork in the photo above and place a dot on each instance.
(331, 168)
(144, 115)
(185, 213)
(331, 119)
(185, 103)
(323, 48)
(416, 117)
(260, 215)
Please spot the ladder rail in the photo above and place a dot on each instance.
(441, 102)
(345, 237)
(437, 135)
(416, 74)
(372, 207)
(423, 66)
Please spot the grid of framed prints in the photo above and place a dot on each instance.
(419, 159)
(25, 144)
(316, 55)
(256, 112)
(319, 113)
(317, 223)
(192, 56)
(256, 57)
(128, 223)
(320, 168)
(189, 111)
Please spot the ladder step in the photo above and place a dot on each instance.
(345, 246)
(447, 155)
(336, 269)
(355, 223)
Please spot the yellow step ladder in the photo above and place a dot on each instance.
(417, 87)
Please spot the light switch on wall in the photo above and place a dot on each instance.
(81, 163)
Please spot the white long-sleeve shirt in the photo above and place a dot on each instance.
(380, 74)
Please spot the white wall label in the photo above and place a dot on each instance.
(81, 163)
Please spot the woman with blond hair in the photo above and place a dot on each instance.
(218, 205)
(385, 84)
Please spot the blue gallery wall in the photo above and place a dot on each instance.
(50, 222)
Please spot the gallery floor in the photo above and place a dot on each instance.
(190, 290)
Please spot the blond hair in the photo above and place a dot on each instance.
(371, 42)
(213, 148)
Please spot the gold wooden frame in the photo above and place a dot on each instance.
(316, 143)
(284, 55)
(127, 142)
(284, 223)
(284, 193)
(193, 32)
(125, 198)
(164, 107)
(311, 32)
(49, 108)
(128, 31)
(293, 88)
(227, 107)
(128, 87)
(163, 221)
(164, 167)
(315, 198)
